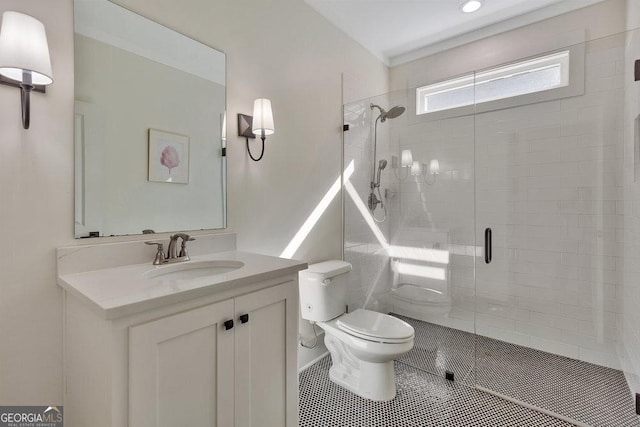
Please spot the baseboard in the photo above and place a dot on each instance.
(308, 365)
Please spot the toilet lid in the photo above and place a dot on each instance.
(375, 326)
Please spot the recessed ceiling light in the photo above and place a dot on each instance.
(471, 6)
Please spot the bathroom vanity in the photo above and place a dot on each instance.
(207, 342)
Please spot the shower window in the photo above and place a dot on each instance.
(522, 78)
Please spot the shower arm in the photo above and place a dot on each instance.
(375, 184)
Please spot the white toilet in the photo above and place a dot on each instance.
(363, 344)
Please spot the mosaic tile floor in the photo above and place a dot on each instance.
(422, 400)
(438, 349)
(582, 391)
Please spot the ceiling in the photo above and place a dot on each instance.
(398, 31)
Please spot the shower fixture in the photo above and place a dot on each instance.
(391, 114)
(375, 184)
(381, 165)
(374, 200)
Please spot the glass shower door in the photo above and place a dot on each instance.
(549, 194)
(413, 257)
(433, 237)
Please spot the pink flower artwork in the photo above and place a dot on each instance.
(169, 158)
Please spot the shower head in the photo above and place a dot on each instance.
(395, 112)
(391, 114)
(381, 165)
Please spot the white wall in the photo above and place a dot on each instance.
(36, 171)
(280, 49)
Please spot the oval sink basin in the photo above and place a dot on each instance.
(193, 270)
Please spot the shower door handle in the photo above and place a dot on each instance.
(487, 245)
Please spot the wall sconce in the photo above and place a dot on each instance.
(434, 169)
(416, 168)
(223, 134)
(406, 161)
(261, 123)
(223, 126)
(24, 57)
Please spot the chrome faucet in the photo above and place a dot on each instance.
(172, 251)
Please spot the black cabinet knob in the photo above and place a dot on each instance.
(244, 318)
(228, 324)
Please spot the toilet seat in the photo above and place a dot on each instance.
(374, 326)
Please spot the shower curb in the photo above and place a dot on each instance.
(532, 407)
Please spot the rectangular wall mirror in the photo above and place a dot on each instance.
(149, 126)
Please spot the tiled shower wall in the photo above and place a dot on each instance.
(630, 295)
(548, 179)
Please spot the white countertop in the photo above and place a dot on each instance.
(126, 290)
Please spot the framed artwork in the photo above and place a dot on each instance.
(168, 157)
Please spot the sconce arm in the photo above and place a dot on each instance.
(25, 100)
(426, 181)
(396, 174)
(261, 152)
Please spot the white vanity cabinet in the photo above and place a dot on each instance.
(166, 354)
(181, 369)
(224, 364)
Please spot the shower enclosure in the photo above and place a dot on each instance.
(508, 193)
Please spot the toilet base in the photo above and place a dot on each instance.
(375, 381)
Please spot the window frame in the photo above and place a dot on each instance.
(572, 74)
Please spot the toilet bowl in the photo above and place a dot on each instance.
(363, 344)
(363, 358)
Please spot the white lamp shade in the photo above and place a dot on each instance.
(23, 47)
(434, 166)
(262, 117)
(406, 159)
(223, 130)
(416, 168)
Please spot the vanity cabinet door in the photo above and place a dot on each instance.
(181, 369)
(266, 389)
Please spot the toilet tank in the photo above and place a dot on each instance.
(323, 290)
